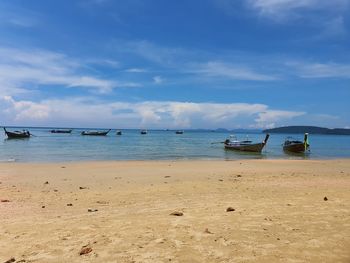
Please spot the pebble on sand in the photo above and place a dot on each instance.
(230, 209)
(325, 198)
(69, 204)
(177, 213)
(10, 260)
(82, 187)
(85, 250)
(43, 206)
(47, 182)
(92, 210)
(5, 200)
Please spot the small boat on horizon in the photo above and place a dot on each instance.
(246, 145)
(143, 132)
(296, 146)
(118, 132)
(96, 133)
(61, 131)
(179, 132)
(17, 134)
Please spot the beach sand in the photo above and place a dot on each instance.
(280, 212)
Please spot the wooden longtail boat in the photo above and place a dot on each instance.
(179, 132)
(143, 132)
(296, 146)
(246, 145)
(95, 133)
(17, 134)
(61, 131)
(118, 132)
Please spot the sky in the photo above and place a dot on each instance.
(175, 64)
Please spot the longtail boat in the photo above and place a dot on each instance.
(119, 132)
(61, 131)
(17, 134)
(296, 146)
(96, 133)
(143, 132)
(179, 132)
(247, 145)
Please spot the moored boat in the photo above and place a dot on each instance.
(246, 145)
(61, 131)
(17, 134)
(95, 133)
(179, 132)
(119, 132)
(296, 146)
(143, 132)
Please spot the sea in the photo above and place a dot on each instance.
(158, 145)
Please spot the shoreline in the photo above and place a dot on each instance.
(292, 158)
(122, 211)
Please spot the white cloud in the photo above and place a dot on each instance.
(158, 80)
(334, 27)
(22, 68)
(283, 10)
(26, 109)
(220, 69)
(269, 119)
(136, 70)
(320, 70)
(88, 112)
(161, 55)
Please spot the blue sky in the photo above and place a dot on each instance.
(175, 64)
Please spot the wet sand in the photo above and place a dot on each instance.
(284, 211)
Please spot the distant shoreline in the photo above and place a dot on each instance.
(308, 129)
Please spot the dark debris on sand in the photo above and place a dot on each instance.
(10, 260)
(85, 250)
(177, 213)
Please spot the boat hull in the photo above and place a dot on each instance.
(295, 148)
(88, 133)
(17, 134)
(257, 147)
(61, 131)
(12, 135)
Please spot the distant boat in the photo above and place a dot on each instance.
(143, 131)
(246, 146)
(17, 134)
(179, 132)
(95, 133)
(118, 132)
(296, 146)
(61, 131)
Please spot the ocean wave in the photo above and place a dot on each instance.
(10, 160)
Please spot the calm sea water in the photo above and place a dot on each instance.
(156, 145)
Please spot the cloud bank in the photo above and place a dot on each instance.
(88, 112)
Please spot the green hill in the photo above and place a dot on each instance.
(308, 129)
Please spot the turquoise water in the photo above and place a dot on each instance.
(156, 145)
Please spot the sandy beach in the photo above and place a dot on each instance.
(282, 211)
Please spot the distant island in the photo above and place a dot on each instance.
(308, 129)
